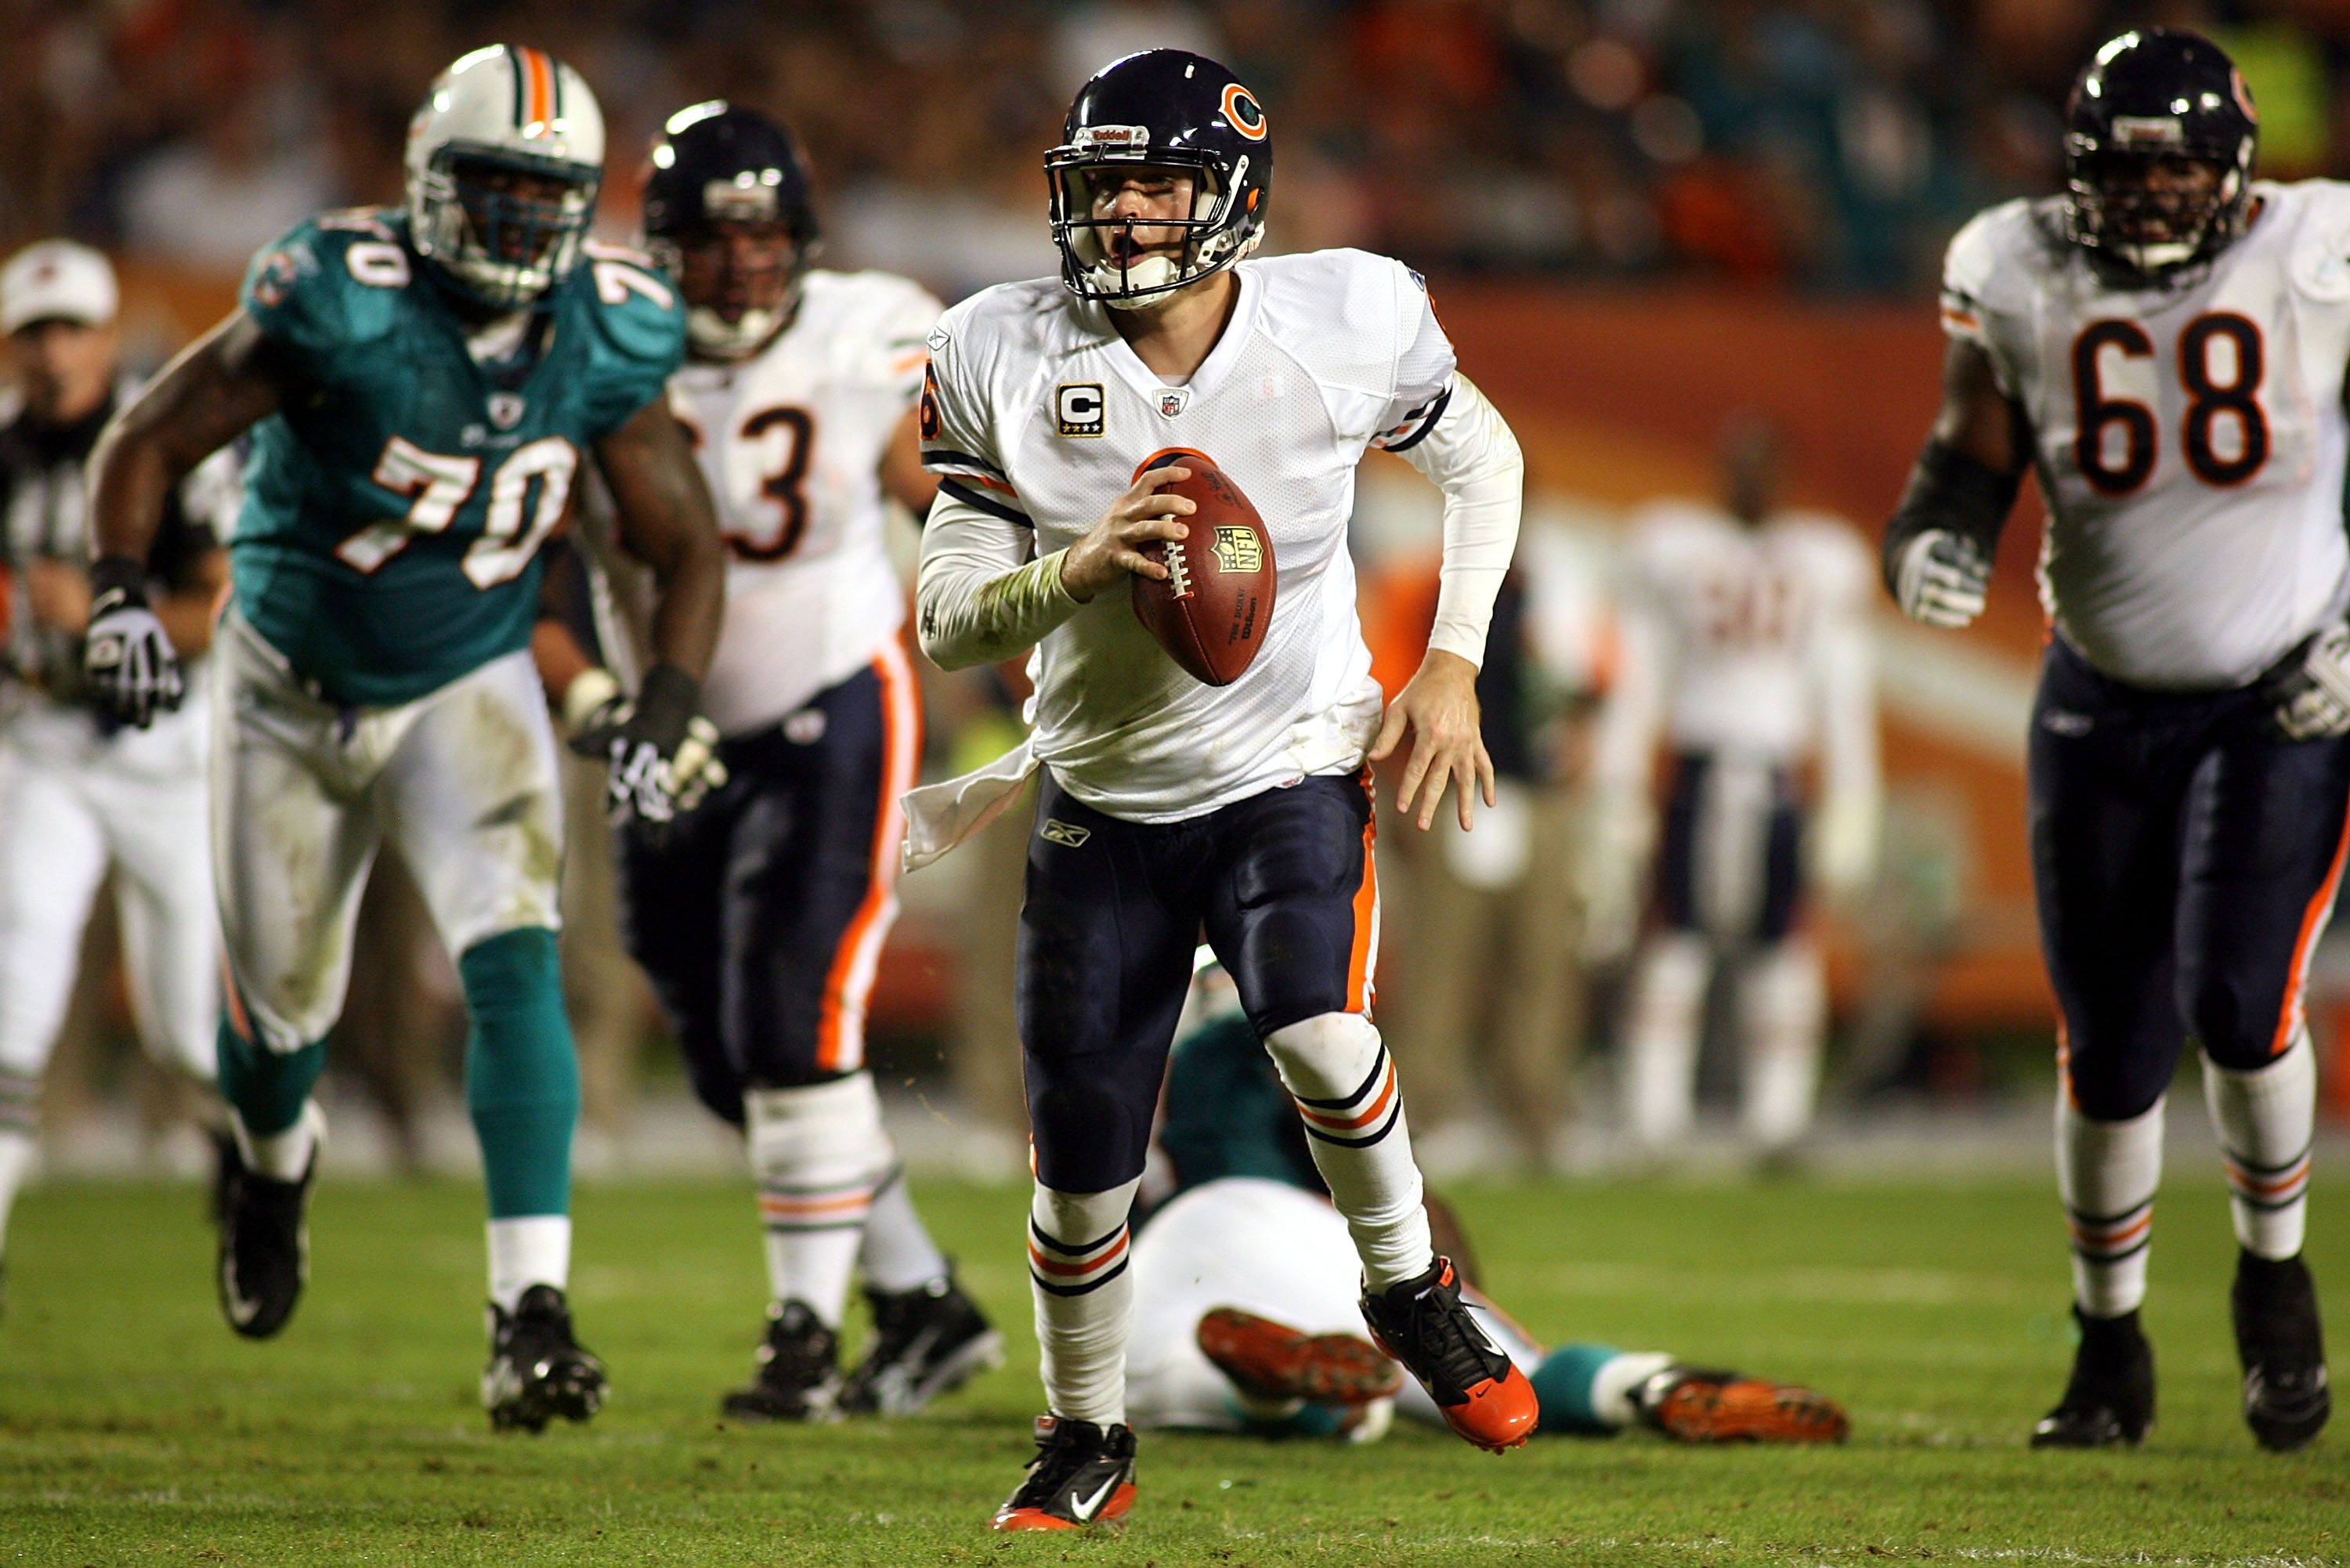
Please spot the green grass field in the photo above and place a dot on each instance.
(134, 1428)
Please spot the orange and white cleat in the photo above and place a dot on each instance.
(1082, 1477)
(1422, 1323)
(1691, 1406)
(1272, 1361)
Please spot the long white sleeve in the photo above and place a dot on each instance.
(979, 599)
(1471, 456)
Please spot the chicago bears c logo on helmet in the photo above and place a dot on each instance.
(1241, 112)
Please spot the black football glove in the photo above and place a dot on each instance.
(128, 660)
(663, 753)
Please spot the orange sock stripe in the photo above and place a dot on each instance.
(848, 985)
(2097, 1239)
(1043, 1265)
(2254, 1186)
(2312, 922)
(1378, 1107)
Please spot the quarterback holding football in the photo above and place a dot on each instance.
(2166, 343)
(1068, 420)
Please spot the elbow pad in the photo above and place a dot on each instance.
(1952, 493)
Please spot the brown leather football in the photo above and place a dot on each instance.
(1214, 610)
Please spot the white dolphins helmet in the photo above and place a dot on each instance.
(501, 111)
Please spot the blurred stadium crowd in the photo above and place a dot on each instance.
(1765, 149)
(1834, 143)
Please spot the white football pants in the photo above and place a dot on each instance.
(71, 801)
(463, 780)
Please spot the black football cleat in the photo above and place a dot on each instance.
(799, 1370)
(1422, 1323)
(1082, 1475)
(537, 1371)
(928, 1341)
(2282, 1346)
(265, 1246)
(2109, 1403)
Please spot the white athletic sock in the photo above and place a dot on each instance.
(2266, 1119)
(1084, 1290)
(1660, 1039)
(2106, 1173)
(1615, 1386)
(15, 1155)
(535, 1249)
(818, 1151)
(282, 1155)
(896, 1253)
(1781, 1008)
(1338, 1071)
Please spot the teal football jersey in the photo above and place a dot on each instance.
(395, 506)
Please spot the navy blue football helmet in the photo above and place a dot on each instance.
(2147, 97)
(718, 168)
(1162, 108)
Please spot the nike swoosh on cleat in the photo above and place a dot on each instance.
(1085, 1509)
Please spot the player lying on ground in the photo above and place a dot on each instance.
(1246, 1314)
(78, 792)
(422, 384)
(1056, 413)
(760, 919)
(2166, 341)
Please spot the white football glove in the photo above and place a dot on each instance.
(1843, 846)
(1942, 580)
(2313, 703)
(128, 660)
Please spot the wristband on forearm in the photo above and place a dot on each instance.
(116, 581)
(1952, 492)
(666, 701)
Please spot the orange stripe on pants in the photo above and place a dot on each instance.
(849, 984)
(2312, 922)
(1363, 961)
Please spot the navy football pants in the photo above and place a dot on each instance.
(1281, 885)
(2185, 857)
(760, 916)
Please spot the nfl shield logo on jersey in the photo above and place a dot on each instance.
(507, 409)
(1173, 401)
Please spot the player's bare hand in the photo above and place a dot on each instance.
(1112, 549)
(1438, 711)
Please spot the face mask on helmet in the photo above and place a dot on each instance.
(2154, 213)
(1136, 233)
(741, 282)
(505, 227)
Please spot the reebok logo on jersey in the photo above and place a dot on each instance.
(1069, 835)
(1077, 409)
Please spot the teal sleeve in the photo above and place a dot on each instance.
(307, 292)
(638, 322)
(1562, 1389)
(1227, 1114)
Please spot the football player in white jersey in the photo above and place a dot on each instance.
(2165, 345)
(77, 791)
(1745, 645)
(1055, 412)
(760, 919)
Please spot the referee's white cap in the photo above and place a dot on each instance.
(56, 280)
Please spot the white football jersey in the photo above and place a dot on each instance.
(1744, 625)
(791, 441)
(1041, 414)
(2190, 438)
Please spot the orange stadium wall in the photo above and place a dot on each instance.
(1620, 396)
